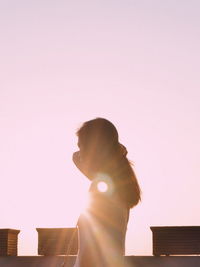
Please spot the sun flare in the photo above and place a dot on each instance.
(102, 186)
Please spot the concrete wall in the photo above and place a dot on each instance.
(133, 261)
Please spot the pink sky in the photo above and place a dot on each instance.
(133, 62)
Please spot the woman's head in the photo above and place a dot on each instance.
(97, 137)
(101, 151)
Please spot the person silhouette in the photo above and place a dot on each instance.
(114, 190)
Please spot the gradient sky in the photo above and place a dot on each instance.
(135, 63)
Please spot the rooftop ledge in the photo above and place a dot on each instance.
(135, 261)
(167, 240)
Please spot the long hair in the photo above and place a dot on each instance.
(100, 148)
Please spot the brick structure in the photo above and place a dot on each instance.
(8, 242)
(57, 241)
(176, 240)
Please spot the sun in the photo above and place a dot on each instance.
(102, 186)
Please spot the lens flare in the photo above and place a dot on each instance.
(102, 187)
(103, 184)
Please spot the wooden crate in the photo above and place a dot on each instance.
(57, 241)
(176, 240)
(8, 242)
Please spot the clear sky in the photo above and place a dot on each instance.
(134, 62)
